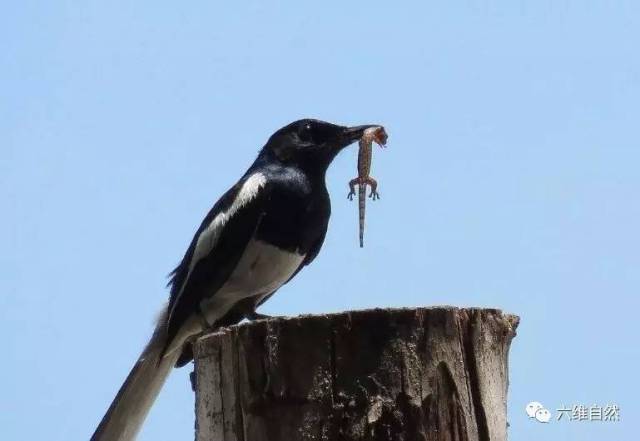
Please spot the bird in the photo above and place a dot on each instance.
(259, 235)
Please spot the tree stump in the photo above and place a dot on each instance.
(385, 374)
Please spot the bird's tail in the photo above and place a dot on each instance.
(129, 408)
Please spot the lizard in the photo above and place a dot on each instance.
(363, 179)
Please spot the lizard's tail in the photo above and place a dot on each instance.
(362, 197)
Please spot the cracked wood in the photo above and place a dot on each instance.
(425, 374)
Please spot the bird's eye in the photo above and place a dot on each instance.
(305, 132)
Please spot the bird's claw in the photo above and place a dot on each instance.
(374, 195)
(257, 316)
(351, 195)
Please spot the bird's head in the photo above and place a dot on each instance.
(312, 144)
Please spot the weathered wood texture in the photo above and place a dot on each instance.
(386, 374)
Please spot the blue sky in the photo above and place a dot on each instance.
(511, 180)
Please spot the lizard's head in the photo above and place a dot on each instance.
(312, 144)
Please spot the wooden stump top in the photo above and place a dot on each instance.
(382, 374)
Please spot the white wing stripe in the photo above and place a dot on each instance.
(209, 236)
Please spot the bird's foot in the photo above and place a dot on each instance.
(351, 195)
(257, 316)
(374, 195)
(204, 323)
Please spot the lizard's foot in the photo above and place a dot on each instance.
(374, 195)
(352, 188)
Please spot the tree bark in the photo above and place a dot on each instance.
(426, 374)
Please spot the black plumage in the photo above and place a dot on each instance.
(258, 236)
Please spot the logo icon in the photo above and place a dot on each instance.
(536, 410)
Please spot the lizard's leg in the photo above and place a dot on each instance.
(352, 188)
(374, 188)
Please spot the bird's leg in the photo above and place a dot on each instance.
(352, 188)
(203, 321)
(248, 309)
(374, 188)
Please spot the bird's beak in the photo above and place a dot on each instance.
(352, 134)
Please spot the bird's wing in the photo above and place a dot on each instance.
(312, 253)
(216, 248)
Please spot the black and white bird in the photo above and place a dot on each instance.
(258, 236)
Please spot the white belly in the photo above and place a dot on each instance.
(261, 270)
